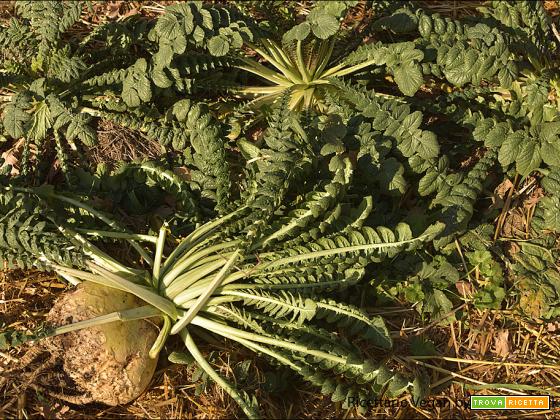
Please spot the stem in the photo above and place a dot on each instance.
(233, 393)
(324, 58)
(352, 69)
(97, 255)
(193, 259)
(262, 90)
(273, 46)
(197, 234)
(264, 72)
(287, 72)
(277, 52)
(195, 290)
(297, 97)
(160, 340)
(142, 312)
(308, 97)
(203, 298)
(163, 304)
(183, 282)
(222, 329)
(332, 70)
(301, 64)
(119, 235)
(70, 279)
(159, 254)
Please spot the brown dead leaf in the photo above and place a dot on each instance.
(464, 288)
(513, 248)
(183, 172)
(514, 224)
(12, 156)
(534, 198)
(501, 343)
(502, 189)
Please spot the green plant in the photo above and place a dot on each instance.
(248, 275)
(292, 168)
(314, 52)
(54, 83)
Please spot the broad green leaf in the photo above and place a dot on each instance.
(399, 23)
(334, 8)
(497, 135)
(332, 145)
(550, 152)
(408, 77)
(218, 45)
(398, 385)
(511, 147)
(419, 346)
(391, 176)
(529, 157)
(79, 127)
(412, 121)
(428, 183)
(437, 304)
(411, 54)
(164, 56)
(340, 393)
(41, 121)
(160, 78)
(420, 387)
(551, 207)
(549, 132)
(298, 32)
(457, 73)
(181, 109)
(323, 25)
(14, 119)
(136, 85)
(428, 146)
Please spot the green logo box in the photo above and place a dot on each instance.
(488, 402)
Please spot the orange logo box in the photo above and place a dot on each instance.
(529, 402)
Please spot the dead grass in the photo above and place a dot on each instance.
(117, 144)
(485, 352)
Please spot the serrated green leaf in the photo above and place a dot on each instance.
(41, 121)
(511, 147)
(529, 157)
(218, 45)
(298, 32)
(14, 119)
(550, 153)
(420, 387)
(408, 77)
(391, 176)
(323, 25)
(136, 85)
(79, 128)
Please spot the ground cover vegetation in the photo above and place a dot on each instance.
(303, 165)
